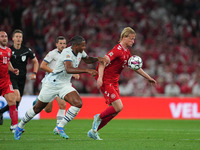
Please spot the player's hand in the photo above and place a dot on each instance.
(33, 76)
(16, 72)
(92, 72)
(76, 76)
(152, 81)
(99, 82)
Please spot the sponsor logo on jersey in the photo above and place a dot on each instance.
(23, 58)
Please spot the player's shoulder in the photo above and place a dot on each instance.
(117, 47)
(25, 48)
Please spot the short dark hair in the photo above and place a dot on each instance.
(17, 31)
(60, 38)
(76, 40)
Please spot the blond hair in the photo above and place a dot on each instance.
(126, 31)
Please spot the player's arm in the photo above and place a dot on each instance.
(44, 66)
(10, 68)
(145, 75)
(35, 68)
(101, 71)
(90, 60)
(71, 70)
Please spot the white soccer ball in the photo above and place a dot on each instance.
(135, 62)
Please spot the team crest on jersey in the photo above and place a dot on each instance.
(68, 56)
(110, 54)
(23, 58)
(113, 96)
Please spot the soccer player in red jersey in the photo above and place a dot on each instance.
(6, 88)
(108, 77)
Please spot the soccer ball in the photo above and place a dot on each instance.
(135, 62)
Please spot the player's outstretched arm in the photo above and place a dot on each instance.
(71, 70)
(101, 68)
(90, 60)
(145, 75)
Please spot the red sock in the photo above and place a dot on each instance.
(104, 122)
(109, 111)
(13, 114)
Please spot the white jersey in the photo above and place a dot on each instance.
(51, 58)
(59, 74)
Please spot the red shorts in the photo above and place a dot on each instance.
(8, 88)
(110, 92)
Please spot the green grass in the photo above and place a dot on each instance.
(117, 135)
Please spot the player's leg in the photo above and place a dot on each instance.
(49, 107)
(46, 95)
(11, 100)
(38, 107)
(72, 97)
(61, 111)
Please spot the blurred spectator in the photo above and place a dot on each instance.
(172, 89)
(196, 89)
(168, 34)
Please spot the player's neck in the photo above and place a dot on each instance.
(17, 46)
(3, 47)
(123, 45)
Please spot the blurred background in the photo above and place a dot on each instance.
(168, 39)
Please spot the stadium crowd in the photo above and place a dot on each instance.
(168, 38)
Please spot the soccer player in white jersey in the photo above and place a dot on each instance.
(48, 65)
(58, 83)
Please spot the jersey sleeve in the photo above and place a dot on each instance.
(84, 54)
(114, 53)
(49, 57)
(31, 54)
(67, 56)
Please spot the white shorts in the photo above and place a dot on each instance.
(49, 91)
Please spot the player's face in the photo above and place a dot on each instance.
(17, 38)
(3, 38)
(61, 45)
(130, 40)
(81, 47)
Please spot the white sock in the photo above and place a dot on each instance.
(71, 114)
(27, 117)
(60, 115)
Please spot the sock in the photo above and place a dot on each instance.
(60, 115)
(27, 117)
(109, 111)
(4, 109)
(105, 121)
(71, 113)
(13, 114)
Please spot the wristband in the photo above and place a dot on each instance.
(35, 73)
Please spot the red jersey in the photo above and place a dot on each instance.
(118, 60)
(5, 54)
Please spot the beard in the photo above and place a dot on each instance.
(3, 43)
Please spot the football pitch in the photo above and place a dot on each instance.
(117, 135)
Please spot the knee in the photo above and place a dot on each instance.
(77, 103)
(48, 110)
(119, 108)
